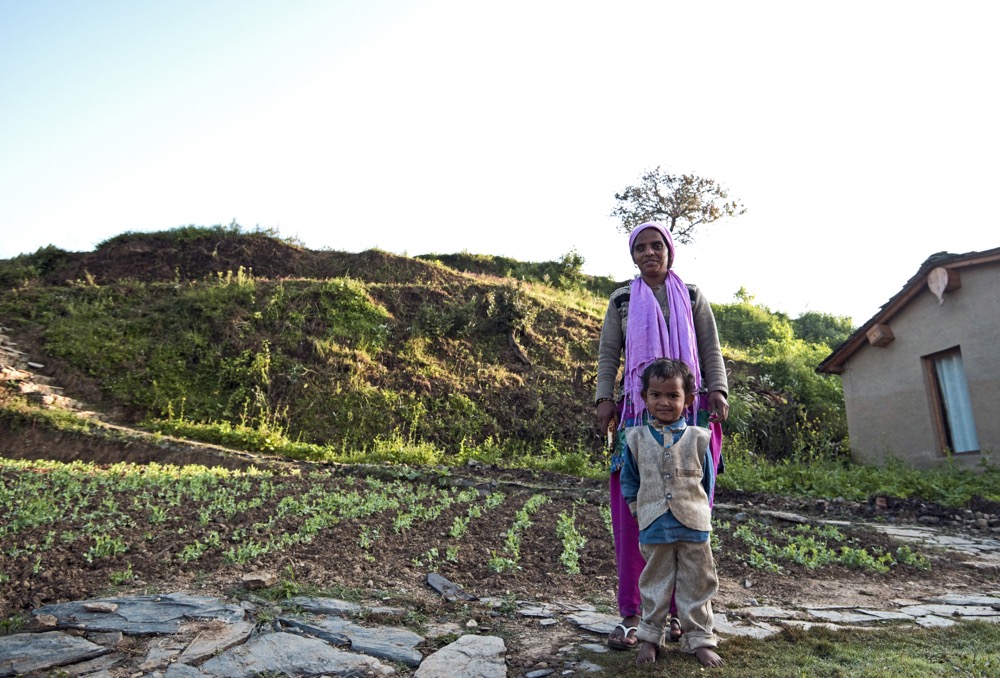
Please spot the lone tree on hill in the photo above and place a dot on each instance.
(681, 202)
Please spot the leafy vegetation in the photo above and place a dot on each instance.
(438, 359)
(807, 475)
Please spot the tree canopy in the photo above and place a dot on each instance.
(680, 201)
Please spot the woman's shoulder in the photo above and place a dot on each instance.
(695, 292)
(621, 294)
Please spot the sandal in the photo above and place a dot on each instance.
(616, 642)
(675, 630)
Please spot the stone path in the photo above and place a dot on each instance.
(180, 635)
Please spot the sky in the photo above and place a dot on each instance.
(862, 136)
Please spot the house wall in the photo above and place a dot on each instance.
(889, 410)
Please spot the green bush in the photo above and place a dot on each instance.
(24, 268)
(822, 328)
(746, 325)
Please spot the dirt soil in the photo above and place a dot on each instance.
(395, 571)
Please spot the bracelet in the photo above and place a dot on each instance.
(601, 400)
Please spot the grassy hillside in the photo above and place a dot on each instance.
(235, 337)
(220, 329)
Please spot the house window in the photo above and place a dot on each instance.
(951, 406)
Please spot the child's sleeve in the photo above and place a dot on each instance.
(708, 472)
(629, 477)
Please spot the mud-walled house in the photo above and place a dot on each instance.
(922, 377)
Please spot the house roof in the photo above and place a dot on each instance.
(834, 363)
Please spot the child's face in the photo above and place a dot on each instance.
(666, 399)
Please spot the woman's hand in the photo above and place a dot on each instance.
(718, 406)
(606, 411)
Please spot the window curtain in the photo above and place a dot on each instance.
(957, 403)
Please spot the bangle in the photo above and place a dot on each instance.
(601, 400)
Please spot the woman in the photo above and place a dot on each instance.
(654, 316)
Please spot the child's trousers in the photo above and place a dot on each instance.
(686, 570)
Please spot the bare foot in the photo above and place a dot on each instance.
(647, 653)
(708, 657)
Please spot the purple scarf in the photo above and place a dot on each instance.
(647, 336)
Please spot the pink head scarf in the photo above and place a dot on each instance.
(647, 335)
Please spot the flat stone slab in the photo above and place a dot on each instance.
(595, 621)
(183, 671)
(847, 617)
(385, 642)
(766, 612)
(290, 654)
(162, 652)
(887, 615)
(35, 652)
(934, 622)
(213, 638)
(958, 599)
(451, 591)
(759, 630)
(141, 615)
(338, 607)
(950, 610)
(467, 657)
(553, 609)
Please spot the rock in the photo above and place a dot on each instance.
(467, 657)
(259, 580)
(93, 668)
(595, 621)
(384, 642)
(162, 652)
(42, 622)
(142, 615)
(100, 606)
(931, 621)
(213, 638)
(183, 671)
(451, 592)
(959, 599)
(289, 654)
(110, 639)
(765, 612)
(338, 607)
(843, 617)
(36, 652)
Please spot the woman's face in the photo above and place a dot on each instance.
(650, 253)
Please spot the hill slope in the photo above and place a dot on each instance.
(215, 327)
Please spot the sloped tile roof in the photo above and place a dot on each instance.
(834, 363)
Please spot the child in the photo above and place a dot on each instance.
(666, 480)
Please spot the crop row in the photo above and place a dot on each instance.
(193, 512)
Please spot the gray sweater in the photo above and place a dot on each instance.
(609, 355)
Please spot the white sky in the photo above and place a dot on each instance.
(862, 136)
